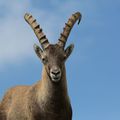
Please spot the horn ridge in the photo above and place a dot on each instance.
(36, 27)
(67, 29)
(37, 30)
(67, 25)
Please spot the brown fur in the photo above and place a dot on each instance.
(44, 100)
(47, 99)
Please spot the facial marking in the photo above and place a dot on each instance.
(55, 56)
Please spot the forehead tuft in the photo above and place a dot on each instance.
(54, 49)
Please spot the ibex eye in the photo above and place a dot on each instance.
(44, 60)
(65, 56)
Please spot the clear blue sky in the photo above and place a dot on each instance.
(93, 70)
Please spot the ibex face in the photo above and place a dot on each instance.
(53, 56)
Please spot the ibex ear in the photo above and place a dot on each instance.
(69, 50)
(38, 50)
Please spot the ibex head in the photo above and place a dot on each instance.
(53, 56)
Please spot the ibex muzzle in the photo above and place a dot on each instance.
(55, 73)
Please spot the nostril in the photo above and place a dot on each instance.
(55, 72)
(58, 72)
(52, 72)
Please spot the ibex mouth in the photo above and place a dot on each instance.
(56, 79)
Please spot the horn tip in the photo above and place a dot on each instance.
(26, 15)
(80, 16)
(78, 13)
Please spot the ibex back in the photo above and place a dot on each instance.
(47, 99)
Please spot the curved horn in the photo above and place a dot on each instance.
(37, 30)
(68, 27)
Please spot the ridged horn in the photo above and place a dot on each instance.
(37, 30)
(68, 26)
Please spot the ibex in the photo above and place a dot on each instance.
(47, 99)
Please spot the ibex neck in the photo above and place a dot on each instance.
(49, 89)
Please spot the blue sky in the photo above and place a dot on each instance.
(93, 70)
